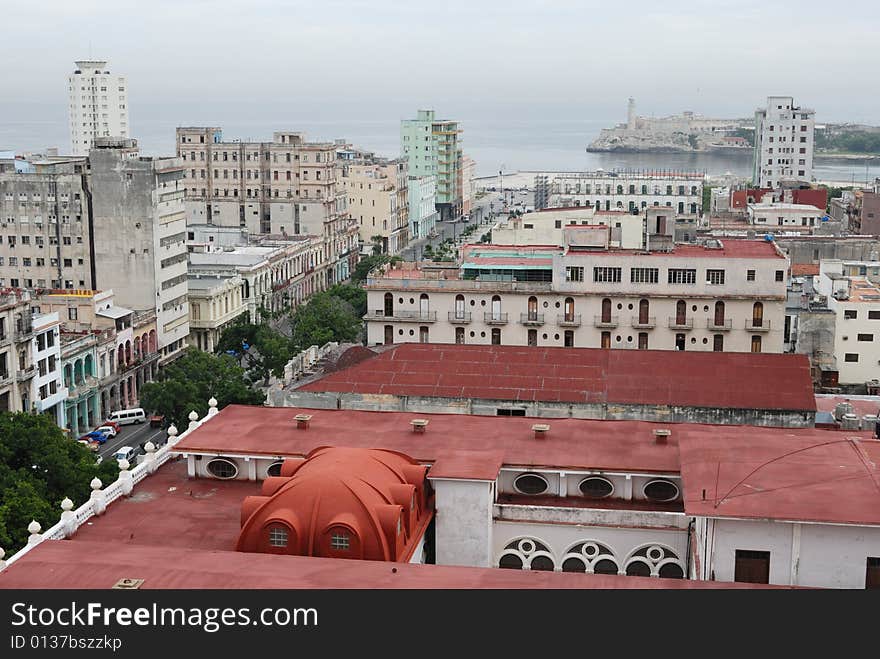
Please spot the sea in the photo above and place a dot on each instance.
(507, 145)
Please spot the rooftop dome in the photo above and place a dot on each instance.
(339, 502)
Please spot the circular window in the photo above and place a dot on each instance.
(596, 488)
(630, 306)
(546, 304)
(556, 336)
(483, 303)
(619, 305)
(483, 335)
(706, 308)
(473, 302)
(412, 332)
(694, 308)
(545, 336)
(629, 339)
(412, 301)
(511, 562)
(557, 305)
(400, 300)
(400, 331)
(705, 341)
(654, 553)
(526, 546)
(531, 484)
(661, 490)
(590, 549)
(693, 340)
(473, 334)
(222, 468)
(618, 339)
(274, 469)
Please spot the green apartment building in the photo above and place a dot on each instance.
(432, 147)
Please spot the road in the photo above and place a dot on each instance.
(133, 435)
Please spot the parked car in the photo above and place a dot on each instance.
(125, 453)
(112, 424)
(107, 430)
(94, 436)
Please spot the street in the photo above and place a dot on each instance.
(133, 435)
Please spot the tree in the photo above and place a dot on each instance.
(39, 467)
(353, 295)
(368, 263)
(378, 244)
(188, 383)
(267, 351)
(322, 319)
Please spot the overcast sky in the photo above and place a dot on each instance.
(198, 61)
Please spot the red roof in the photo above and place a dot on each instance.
(65, 564)
(730, 380)
(828, 477)
(804, 269)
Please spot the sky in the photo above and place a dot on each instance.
(211, 61)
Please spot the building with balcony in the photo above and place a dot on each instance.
(432, 147)
(48, 390)
(286, 187)
(79, 366)
(625, 190)
(718, 296)
(98, 105)
(214, 304)
(784, 143)
(17, 368)
(378, 198)
(276, 273)
(422, 191)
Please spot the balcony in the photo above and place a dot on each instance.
(724, 326)
(648, 323)
(460, 317)
(404, 316)
(495, 318)
(5, 378)
(570, 320)
(531, 319)
(757, 325)
(24, 374)
(681, 323)
(607, 321)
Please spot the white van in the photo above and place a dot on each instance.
(126, 417)
(125, 453)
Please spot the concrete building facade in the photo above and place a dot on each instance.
(97, 106)
(17, 369)
(214, 304)
(784, 143)
(48, 391)
(422, 191)
(780, 217)
(625, 190)
(378, 199)
(721, 296)
(432, 147)
(285, 187)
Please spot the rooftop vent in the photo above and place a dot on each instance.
(128, 584)
(541, 430)
(302, 420)
(661, 435)
(419, 425)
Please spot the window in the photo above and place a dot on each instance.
(718, 343)
(866, 337)
(506, 411)
(661, 490)
(752, 566)
(780, 275)
(644, 275)
(750, 275)
(851, 314)
(222, 468)
(606, 274)
(874, 315)
(71, 313)
(531, 484)
(278, 536)
(682, 276)
(715, 277)
(496, 336)
(872, 572)
(596, 487)
(851, 357)
(574, 273)
(756, 343)
(340, 542)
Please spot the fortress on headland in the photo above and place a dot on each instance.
(683, 132)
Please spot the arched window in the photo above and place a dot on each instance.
(606, 310)
(569, 309)
(680, 312)
(459, 306)
(757, 314)
(423, 305)
(719, 314)
(496, 307)
(389, 304)
(533, 308)
(644, 312)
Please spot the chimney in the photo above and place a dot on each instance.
(419, 425)
(661, 435)
(302, 421)
(541, 430)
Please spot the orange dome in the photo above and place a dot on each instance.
(339, 502)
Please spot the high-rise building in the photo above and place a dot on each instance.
(112, 220)
(432, 147)
(284, 187)
(378, 200)
(98, 105)
(783, 143)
